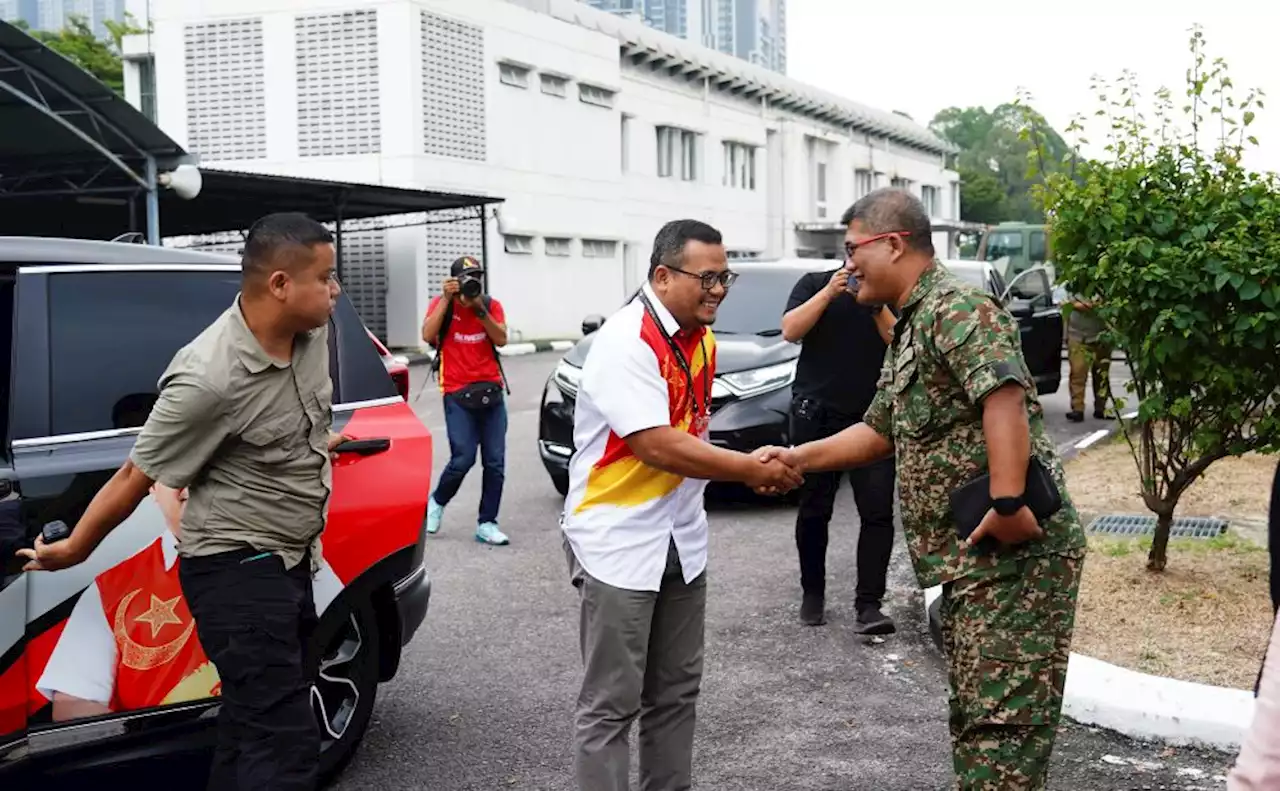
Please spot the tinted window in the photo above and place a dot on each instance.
(363, 375)
(111, 335)
(757, 301)
(1038, 253)
(1004, 243)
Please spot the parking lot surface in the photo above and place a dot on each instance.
(484, 696)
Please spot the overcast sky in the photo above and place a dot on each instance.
(930, 54)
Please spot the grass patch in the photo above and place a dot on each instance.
(1207, 617)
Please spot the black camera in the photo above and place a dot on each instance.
(470, 286)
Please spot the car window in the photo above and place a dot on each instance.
(112, 334)
(1004, 243)
(362, 374)
(757, 301)
(1032, 285)
(1037, 254)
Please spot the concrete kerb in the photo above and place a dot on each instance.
(1138, 705)
(510, 350)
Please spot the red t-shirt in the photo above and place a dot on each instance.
(465, 355)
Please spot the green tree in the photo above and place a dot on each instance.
(982, 197)
(1179, 245)
(992, 151)
(99, 57)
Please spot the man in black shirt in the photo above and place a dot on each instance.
(840, 358)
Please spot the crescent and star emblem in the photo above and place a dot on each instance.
(162, 613)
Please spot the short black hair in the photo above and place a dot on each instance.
(891, 209)
(668, 245)
(274, 234)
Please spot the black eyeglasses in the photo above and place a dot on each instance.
(709, 279)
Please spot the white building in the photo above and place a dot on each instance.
(595, 130)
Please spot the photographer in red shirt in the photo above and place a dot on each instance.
(466, 327)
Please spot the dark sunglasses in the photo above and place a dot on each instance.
(709, 279)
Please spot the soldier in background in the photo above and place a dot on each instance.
(955, 400)
(1086, 354)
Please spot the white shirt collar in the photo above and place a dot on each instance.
(169, 546)
(668, 321)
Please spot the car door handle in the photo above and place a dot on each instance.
(364, 447)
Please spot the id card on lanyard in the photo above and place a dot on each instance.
(701, 411)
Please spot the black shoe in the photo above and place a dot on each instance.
(1099, 413)
(1075, 416)
(872, 621)
(811, 610)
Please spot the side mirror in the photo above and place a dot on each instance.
(592, 323)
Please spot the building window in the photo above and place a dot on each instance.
(558, 247)
(932, 200)
(555, 85)
(739, 165)
(592, 94)
(821, 190)
(599, 248)
(513, 75)
(955, 200)
(520, 245)
(147, 87)
(677, 153)
(863, 183)
(901, 183)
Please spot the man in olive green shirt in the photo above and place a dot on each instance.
(243, 422)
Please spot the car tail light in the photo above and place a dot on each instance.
(401, 377)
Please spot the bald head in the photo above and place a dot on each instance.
(894, 210)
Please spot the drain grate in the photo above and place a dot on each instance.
(1142, 524)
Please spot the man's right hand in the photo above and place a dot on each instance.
(773, 474)
(452, 288)
(52, 557)
(839, 283)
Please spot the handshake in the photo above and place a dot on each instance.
(777, 471)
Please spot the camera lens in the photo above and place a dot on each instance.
(471, 288)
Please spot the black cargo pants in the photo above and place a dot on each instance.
(254, 620)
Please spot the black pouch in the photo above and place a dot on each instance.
(970, 503)
(479, 395)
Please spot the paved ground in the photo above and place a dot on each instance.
(484, 695)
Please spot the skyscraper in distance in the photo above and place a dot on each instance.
(754, 30)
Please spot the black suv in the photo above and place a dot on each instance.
(751, 395)
(99, 663)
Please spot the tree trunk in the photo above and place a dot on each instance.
(1158, 556)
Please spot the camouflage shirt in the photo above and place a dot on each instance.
(953, 345)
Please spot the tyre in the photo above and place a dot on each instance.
(561, 482)
(346, 681)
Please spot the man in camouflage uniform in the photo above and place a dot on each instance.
(1087, 355)
(956, 400)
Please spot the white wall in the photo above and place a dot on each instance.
(556, 162)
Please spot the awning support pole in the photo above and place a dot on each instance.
(153, 203)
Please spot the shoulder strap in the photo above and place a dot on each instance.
(444, 328)
(497, 356)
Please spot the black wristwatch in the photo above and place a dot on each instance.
(1008, 506)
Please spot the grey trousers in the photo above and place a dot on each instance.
(642, 656)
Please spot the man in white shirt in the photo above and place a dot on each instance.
(634, 523)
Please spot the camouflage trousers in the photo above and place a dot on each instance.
(1085, 359)
(1007, 636)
